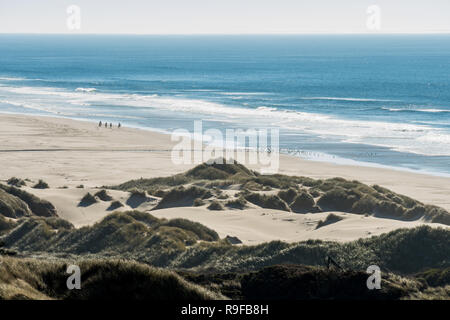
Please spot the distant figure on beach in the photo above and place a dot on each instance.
(119, 125)
(106, 124)
(100, 124)
(110, 125)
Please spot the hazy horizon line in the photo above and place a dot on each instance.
(230, 34)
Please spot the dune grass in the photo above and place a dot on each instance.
(87, 200)
(183, 244)
(183, 197)
(115, 205)
(330, 219)
(16, 182)
(435, 277)
(100, 279)
(335, 194)
(292, 282)
(6, 225)
(103, 195)
(11, 206)
(267, 201)
(215, 206)
(36, 206)
(41, 184)
(238, 203)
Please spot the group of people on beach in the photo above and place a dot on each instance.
(110, 124)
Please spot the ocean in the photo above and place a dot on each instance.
(374, 100)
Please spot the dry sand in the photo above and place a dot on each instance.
(67, 153)
(255, 226)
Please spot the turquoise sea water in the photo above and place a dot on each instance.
(377, 100)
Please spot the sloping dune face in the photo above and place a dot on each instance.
(282, 192)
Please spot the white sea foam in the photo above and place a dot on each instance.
(414, 138)
(11, 79)
(433, 110)
(242, 93)
(415, 110)
(346, 99)
(393, 109)
(85, 89)
(264, 108)
(199, 90)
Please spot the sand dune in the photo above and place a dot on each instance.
(67, 153)
(255, 226)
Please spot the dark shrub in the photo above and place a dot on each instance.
(390, 209)
(11, 206)
(16, 182)
(337, 199)
(267, 201)
(233, 240)
(437, 215)
(294, 282)
(435, 277)
(183, 197)
(315, 193)
(115, 205)
(38, 207)
(239, 203)
(6, 224)
(288, 195)
(87, 200)
(203, 233)
(415, 213)
(331, 218)
(303, 203)
(215, 205)
(41, 185)
(366, 204)
(198, 202)
(103, 195)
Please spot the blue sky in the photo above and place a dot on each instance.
(224, 16)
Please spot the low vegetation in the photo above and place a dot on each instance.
(238, 203)
(102, 279)
(115, 205)
(292, 282)
(30, 226)
(435, 277)
(296, 194)
(304, 203)
(181, 244)
(23, 203)
(11, 206)
(16, 182)
(215, 205)
(103, 195)
(6, 225)
(267, 201)
(87, 200)
(41, 185)
(183, 197)
(330, 219)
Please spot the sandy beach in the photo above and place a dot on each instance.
(68, 153)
